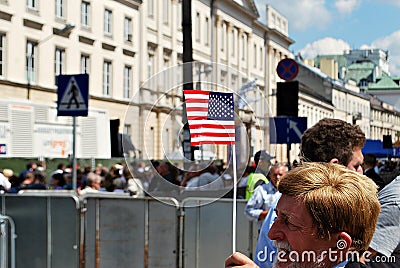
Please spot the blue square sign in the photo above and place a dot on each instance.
(287, 130)
(73, 95)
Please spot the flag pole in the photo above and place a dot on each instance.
(234, 199)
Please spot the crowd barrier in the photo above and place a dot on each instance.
(116, 230)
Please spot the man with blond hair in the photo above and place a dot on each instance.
(331, 141)
(326, 217)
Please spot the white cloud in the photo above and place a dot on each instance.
(347, 6)
(390, 43)
(314, 15)
(302, 14)
(324, 46)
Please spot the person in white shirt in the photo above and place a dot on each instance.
(93, 183)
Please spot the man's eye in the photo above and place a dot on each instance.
(290, 225)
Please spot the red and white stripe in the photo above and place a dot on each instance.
(202, 130)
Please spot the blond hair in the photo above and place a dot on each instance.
(338, 200)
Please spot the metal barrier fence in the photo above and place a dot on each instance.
(47, 228)
(114, 230)
(207, 232)
(7, 241)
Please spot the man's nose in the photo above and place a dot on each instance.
(275, 232)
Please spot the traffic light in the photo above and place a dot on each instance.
(287, 98)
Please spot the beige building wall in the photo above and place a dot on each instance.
(329, 67)
(233, 37)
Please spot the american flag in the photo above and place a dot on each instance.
(210, 116)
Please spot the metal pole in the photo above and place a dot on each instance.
(199, 88)
(74, 173)
(187, 57)
(12, 238)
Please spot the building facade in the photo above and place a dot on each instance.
(124, 45)
(133, 53)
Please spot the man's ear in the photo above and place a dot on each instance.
(334, 161)
(344, 241)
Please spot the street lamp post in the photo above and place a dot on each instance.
(66, 30)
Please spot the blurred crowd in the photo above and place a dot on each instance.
(143, 177)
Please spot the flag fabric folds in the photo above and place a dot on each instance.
(210, 116)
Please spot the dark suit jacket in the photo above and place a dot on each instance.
(375, 177)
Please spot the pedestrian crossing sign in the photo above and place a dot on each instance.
(73, 95)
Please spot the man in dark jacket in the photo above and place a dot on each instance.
(369, 171)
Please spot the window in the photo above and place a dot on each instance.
(150, 8)
(198, 26)
(107, 78)
(127, 81)
(166, 12)
(59, 8)
(59, 63)
(127, 129)
(223, 31)
(108, 21)
(233, 42)
(179, 19)
(166, 141)
(128, 29)
(207, 32)
(31, 4)
(85, 64)
(167, 83)
(30, 61)
(2, 53)
(255, 56)
(85, 13)
(150, 65)
(244, 46)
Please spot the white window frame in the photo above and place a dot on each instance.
(85, 64)
(255, 56)
(59, 61)
(59, 4)
(31, 51)
(107, 75)
(166, 8)
(223, 36)
(207, 32)
(32, 4)
(244, 47)
(150, 8)
(167, 63)
(3, 55)
(108, 21)
(198, 27)
(128, 29)
(85, 13)
(127, 81)
(150, 64)
(233, 42)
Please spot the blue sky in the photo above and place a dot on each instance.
(331, 26)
